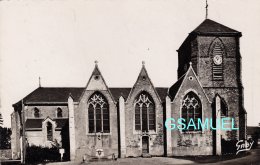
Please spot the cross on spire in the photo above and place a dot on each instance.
(207, 9)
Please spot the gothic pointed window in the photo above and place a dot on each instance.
(36, 112)
(144, 112)
(217, 66)
(59, 112)
(98, 114)
(49, 131)
(191, 109)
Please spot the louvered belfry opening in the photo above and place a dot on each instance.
(217, 70)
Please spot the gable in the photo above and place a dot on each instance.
(96, 81)
(143, 83)
(188, 82)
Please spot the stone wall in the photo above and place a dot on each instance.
(5, 154)
(46, 111)
(195, 142)
(229, 88)
(87, 143)
(199, 50)
(205, 63)
(134, 137)
(39, 138)
(15, 136)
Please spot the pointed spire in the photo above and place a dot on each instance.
(190, 63)
(96, 62)
(70, 96)
(143, 75)
(40, 82)
(207, 9)
(96, 70)
(143, 63)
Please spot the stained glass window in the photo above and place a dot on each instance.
(191, 109)
(144, 112)
(98, 114)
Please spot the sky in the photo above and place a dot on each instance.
(59, 40)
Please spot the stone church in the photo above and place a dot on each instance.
(99, 121)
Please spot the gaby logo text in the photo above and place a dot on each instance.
(244, 145)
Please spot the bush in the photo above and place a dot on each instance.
(5, 136)
(36, 154)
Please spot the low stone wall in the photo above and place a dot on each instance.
(5, 154)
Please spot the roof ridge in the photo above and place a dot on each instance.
(211, 26)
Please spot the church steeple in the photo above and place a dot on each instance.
(201, 39)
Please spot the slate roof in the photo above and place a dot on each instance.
(60, 95)
(51, 94)
(175, 87)
(33, 123)
(162, 92)
(36, 123)
(211, 27)
(117, 92)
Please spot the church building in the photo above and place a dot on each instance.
(98, 121)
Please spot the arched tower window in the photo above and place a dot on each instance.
(36, 112)
(49, 131)
(144, 112)
(59, 112)
(191, 109)
(217, 61)
(98, 114)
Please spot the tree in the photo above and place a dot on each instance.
(5, 138)
(1, 120)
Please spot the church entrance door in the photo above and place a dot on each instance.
(145, 145)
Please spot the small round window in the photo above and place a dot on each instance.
(143, 78)
(191, 78)
(96, 77)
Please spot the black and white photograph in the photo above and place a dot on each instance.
(131, 82)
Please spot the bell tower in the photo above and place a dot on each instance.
(214, 51)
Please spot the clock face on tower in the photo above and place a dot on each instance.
(217, 59)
